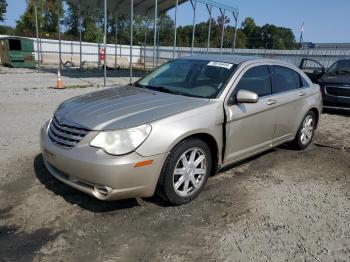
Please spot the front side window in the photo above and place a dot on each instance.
(257, 80)
(284, 79)
(195, 78)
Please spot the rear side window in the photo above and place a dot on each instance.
(284, 79)
(257, 80)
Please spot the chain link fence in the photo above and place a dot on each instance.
(117, 56)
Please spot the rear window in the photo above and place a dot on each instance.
(15, 45)
(284, 79)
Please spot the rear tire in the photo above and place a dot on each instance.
(185, 172)
(305, 132)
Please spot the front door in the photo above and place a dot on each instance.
(313, 69)
(250, 127)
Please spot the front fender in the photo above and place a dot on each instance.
(168, 132)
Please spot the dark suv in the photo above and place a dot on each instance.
(334, 82)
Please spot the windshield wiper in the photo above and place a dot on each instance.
(138, 85)
(163, 89)
(166, 90)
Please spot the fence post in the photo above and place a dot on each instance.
(37, 32)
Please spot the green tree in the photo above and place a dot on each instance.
(6, 30)
(25, 25)
(241, 41)
(91, 23)
(251, 31)
(71, 20)
(166, 30)
(47, 12)
(3, 6)
(267, 36)
(248, 26)
(92, 26)
(52, 9)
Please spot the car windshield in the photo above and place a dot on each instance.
(195, 78)
(340, 67)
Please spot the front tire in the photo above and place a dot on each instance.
(185, 172)
(306, 132)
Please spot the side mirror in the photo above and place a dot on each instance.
(245, 96)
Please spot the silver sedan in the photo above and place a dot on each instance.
(171, 130)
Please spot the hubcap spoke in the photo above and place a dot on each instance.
(309, 122)
(199, 171)
(184, 161)
(193, 156)
(179, 171)
(179, 182)
(187, 183)
(194, 182)
(199, 160)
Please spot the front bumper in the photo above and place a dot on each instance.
(98, 174)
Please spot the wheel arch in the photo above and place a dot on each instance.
(211, 142)
(317, 114)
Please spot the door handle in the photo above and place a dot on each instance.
(301, 93)
(271, 102)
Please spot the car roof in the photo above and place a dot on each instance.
(238, 59)
(234, 59)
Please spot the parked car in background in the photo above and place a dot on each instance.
(171, 130)
(334, 82)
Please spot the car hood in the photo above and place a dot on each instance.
(123, 107)
(334, 79)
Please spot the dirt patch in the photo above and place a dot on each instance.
(20, 246)
(300, 209)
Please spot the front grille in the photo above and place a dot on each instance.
(64, 135)
(342, 91)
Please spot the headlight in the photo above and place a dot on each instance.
(121, 142)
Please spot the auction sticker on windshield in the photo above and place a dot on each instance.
(220, 64)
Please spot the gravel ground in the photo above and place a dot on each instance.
(283, 205)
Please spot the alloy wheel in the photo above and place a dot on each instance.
(189, 172)
(307, 130)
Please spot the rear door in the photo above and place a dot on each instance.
(290, 95)
(250, 127)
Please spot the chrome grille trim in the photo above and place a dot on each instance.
(66, 136)
(337, 91)
(70, 129)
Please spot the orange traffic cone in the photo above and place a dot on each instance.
(59, 84)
